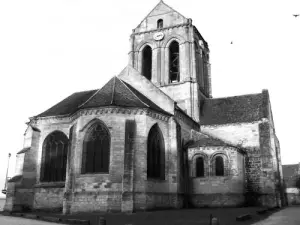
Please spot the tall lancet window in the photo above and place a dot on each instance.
(54, 157)
(155, 154)
(174, 62)
(160, 24)
(147, 62)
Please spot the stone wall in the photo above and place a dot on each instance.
(258, 140)
(126, 187)
(211, 190)
(48, 198)
(20, 191)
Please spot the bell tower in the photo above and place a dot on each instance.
(170, 52)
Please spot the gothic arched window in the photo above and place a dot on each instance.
(155, 154)
(96, 148)
(147, 62)
(174, 70)
(199, 167)
(219, 166)
(160, 23)
(54, 157)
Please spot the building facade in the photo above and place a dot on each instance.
(152, 137)
(291, 176)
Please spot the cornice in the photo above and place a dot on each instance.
(101, 111)
(162, 29)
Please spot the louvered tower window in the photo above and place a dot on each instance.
(174, 69)
(147, 62)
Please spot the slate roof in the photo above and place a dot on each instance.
(16, 178)
(69, 105)
(290, 174)
(23, 150)
(236, 109)
(206, 140)
(114, 93)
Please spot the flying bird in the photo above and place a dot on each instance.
(296, 15)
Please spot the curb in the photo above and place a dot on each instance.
(76, 221)
(262, 211)
(243, 217)
(50, 219)
(31, 216)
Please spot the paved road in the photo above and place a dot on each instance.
(287, 216)
(9, 220)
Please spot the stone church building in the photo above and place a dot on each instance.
(152, 137)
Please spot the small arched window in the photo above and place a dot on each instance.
(219, 166)
(174, 70)
(155, 154)
(199, 167)
(96, 148)
(54, 157)
(147, 62)
(160, 24)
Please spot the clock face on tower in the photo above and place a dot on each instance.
(158, 36)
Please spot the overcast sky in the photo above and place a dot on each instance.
(50, 49)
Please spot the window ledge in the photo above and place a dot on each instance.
(60, 184)
(156, 179)
(201, 178)
(92, 174)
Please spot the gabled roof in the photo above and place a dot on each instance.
(162, 7)
(114, 93)
(290, 173)
(236, 109)
(159, 9)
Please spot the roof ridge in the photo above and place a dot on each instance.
(89, 98)
(234, 96)
(133, 93)
(173, 9)
(113, 91)
(156, 88)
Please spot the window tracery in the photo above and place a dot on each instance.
(96, 149)
(54, 157)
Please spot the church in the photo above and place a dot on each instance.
(151, 138)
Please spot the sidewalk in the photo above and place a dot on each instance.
(226, 216)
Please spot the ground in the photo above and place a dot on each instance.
(287, 216)
(226, 216)
(8, 220)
